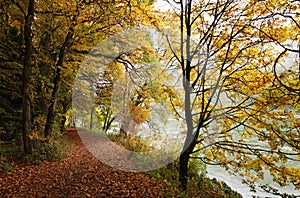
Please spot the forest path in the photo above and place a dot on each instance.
(80, 174)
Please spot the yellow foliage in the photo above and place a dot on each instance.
(139, 114)
(36, 136)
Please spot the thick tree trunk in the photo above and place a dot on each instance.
(26, 102)
(57, 83)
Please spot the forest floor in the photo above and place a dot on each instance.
(79, 174)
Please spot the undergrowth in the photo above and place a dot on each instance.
(198, 183)
(52, 151)
(55, 150)
(8, 152)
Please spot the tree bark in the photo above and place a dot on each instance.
(52, 107)
(183, 170)
(26, 72)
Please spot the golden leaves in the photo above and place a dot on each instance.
(139, 114)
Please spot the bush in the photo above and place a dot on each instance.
(131, 142)
(52, 151)
(113, 137)
(47, 152)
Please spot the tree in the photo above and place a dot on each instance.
(57, 80)
(133, 81)
(226, 63)
(26, 74)
(103, 84)
(107, 79)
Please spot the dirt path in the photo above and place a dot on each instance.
(106, 151)
(80, 174)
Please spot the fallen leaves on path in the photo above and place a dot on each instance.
(80, 174)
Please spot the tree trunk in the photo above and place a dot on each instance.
(52, 107)
(91, 121)
(108, 120)
(26, 72)
(183, 170)
(57, 83)
(65, 106)
(189, 140)
(62, 123)
(66, 103)
(191, 137)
